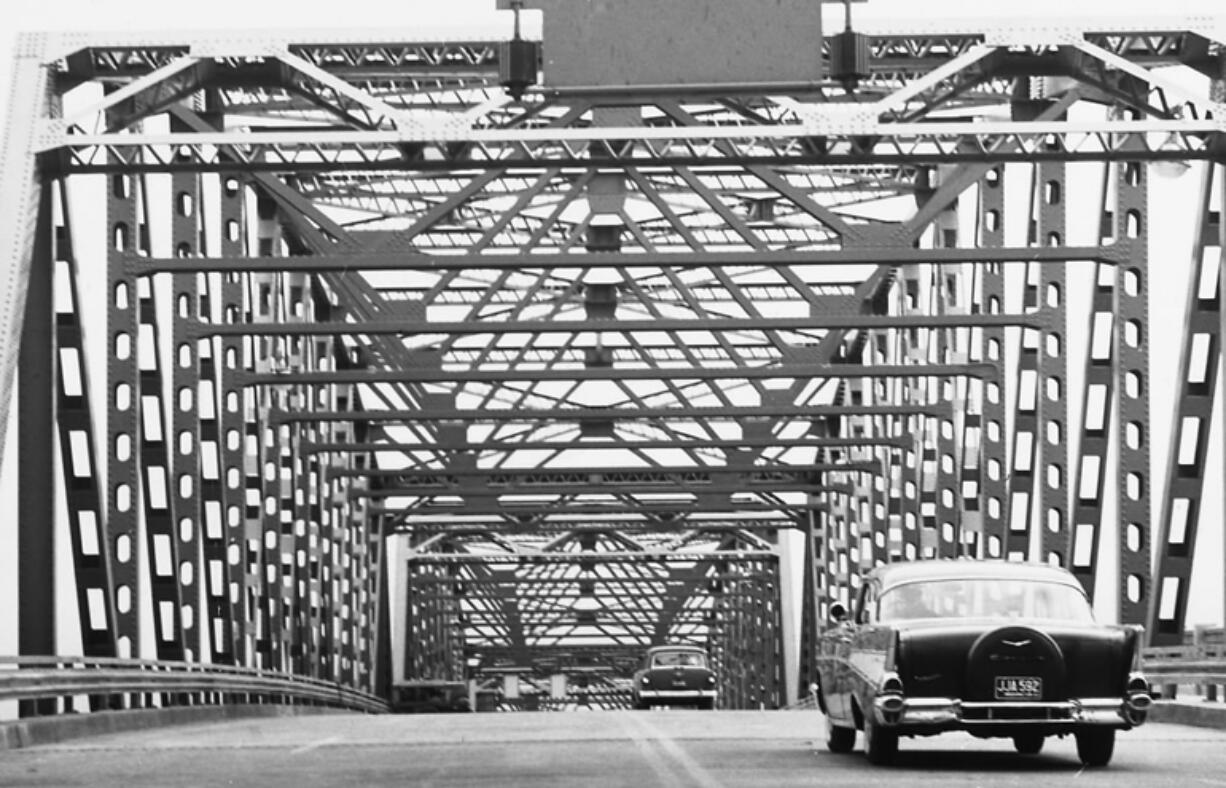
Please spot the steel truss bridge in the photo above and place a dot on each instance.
(412, 350)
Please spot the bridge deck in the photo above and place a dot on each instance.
(666, 748)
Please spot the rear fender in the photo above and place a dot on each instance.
(857, 716)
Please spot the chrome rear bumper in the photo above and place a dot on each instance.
(891, 710)
(676, 694)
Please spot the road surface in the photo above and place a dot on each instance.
(673, 749)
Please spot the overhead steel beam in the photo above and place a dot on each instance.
(604, 443)
(522, 414)
(456, 328)
(608, 473)
(417, 261)
(618, 373)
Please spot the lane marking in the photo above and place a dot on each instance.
(676, 752)
(657, 762)
(315, 745)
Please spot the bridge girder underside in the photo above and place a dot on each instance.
(592, 365)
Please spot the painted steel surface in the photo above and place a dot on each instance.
(520, 384)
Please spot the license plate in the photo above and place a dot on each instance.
(1019, 688)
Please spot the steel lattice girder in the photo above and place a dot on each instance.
(587, 604)
(374, 264)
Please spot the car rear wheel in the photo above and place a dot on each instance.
(1095, 747)
(838, 738)
(880, 744)
(1028, 743)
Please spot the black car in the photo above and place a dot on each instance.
(675, 675)
(994, 648)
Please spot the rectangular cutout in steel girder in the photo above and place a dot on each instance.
(678, 42)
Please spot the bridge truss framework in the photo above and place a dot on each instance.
(584, 369)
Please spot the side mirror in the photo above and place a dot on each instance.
(838, 613)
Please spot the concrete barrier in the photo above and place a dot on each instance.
(34, 731)
(1194, 711)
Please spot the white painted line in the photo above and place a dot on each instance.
(678, 754)
(658, 763)
(315, 745)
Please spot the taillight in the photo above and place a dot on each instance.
(891, 651)
(891, 685)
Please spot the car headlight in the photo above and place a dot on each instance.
(711, 680)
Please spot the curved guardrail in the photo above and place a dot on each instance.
(1201, 663)
(181, 683)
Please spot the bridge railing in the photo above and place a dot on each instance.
(134, 683)
(1199, 663)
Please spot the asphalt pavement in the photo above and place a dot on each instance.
(674, 749)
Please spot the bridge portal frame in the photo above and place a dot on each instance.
(420, 137)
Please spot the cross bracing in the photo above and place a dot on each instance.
(603, 357)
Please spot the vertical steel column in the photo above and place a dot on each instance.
(215, 575)
(366, 598)
(919, 465)
(948, 428)
(1026, 438)
(265, 478)
(969, 416)
(1198, 377)
(122, 520)
(334, 534)
(1132, 353)
(381, 683)
(78, 453)
(36, 477)
(1219, 88)
(156, 485)
(811, 611)
(838, 554)
(31, 99)
(359, 546)
(186, 391)
(311, 513)
(994, 450)
(345, 579)
(1096, 409)
(279, 514)
(234, 402)
(873, 542)
(1051, 500)
(969, 491)
(294, 483)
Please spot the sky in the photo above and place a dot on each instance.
(247, 17)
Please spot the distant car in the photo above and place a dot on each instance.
(676, 675)
(994, 648)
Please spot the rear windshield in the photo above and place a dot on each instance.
(984, 598)
(687, 659)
